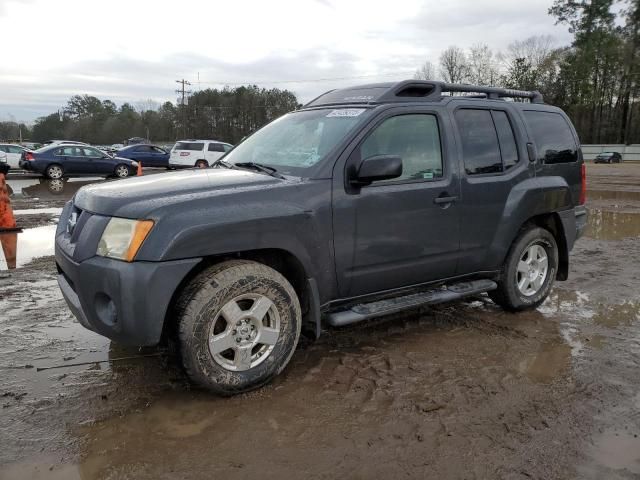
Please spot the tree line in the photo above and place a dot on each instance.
(227, 114)
(595, 79)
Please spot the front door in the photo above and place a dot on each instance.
(403, 231)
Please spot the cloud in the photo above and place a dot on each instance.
(267, 43)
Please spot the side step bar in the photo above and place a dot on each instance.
(365, 311)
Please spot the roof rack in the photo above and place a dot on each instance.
(415, 91)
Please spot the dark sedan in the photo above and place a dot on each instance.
(149, 155)
(64, 160)
(608, 157)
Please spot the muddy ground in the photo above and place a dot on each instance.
(459, 391)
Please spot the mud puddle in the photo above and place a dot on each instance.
(613, 195)
(612, 225)
(39, 211)
(619, 451)
(23, 247)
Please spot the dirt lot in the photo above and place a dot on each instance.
(459, 391)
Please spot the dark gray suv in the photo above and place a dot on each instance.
(367, 201)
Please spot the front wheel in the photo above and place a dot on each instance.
(239, 324)
(528, 272)
(122, 171)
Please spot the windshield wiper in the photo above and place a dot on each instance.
(261, 168)
(224, 163)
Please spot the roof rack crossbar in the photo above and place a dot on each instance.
(493, 92)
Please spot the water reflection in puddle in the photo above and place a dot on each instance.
(23, 247)
(612, 225)
(613, 195)
(547, 363)
(618, 450)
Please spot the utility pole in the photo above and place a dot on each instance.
(183, 92)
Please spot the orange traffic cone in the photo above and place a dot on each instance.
(7, 220)
(9, 243)
(139, 169)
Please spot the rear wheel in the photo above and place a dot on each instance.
(528, 272)
(122, 171)
(54, 171)
(239, 324)
(202, 164)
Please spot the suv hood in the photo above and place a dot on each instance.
(137, 197)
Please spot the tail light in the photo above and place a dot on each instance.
(28, 156)
(583, 185)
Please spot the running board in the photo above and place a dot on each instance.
(365, 311)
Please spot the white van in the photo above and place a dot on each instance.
(197, 153)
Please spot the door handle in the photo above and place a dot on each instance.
(441, 200)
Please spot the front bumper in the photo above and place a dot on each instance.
(126, 302)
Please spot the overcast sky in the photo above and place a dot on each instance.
(132, 50)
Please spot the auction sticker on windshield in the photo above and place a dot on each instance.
(346, 112)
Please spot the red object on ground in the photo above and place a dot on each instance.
(9, 243)
(139, 169)
(7, 220)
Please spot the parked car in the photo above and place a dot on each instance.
(149, 155)
(608, 157)
(50, 143)
(63, 160)
(136, 141)
(3, 159)
(365, 202)
(197, 153)
(13, 153)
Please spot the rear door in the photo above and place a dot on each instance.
(492, 163)
(71, 158)
(403, 231)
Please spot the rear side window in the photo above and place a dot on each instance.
(216, 147)
(189, 146)
(552, 136)
(488, 141)
(480, 148)
(226, 147)
(508, 148)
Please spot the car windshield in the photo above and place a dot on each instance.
(297, 140)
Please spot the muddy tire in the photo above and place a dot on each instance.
(54, 171)
(528, 272)
(239, 324)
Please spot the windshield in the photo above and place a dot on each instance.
(297, 140)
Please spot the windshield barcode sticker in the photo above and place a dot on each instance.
(346, 112)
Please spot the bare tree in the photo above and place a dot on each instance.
(535, 52)
(147, 105)
(483, 69)
(426, 72)
(453, 65)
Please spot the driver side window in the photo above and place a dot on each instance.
(415, 138)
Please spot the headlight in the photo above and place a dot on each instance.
(123, 237)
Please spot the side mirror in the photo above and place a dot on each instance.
(379, 167)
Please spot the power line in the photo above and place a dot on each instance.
(311, 80)
(184, 92)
